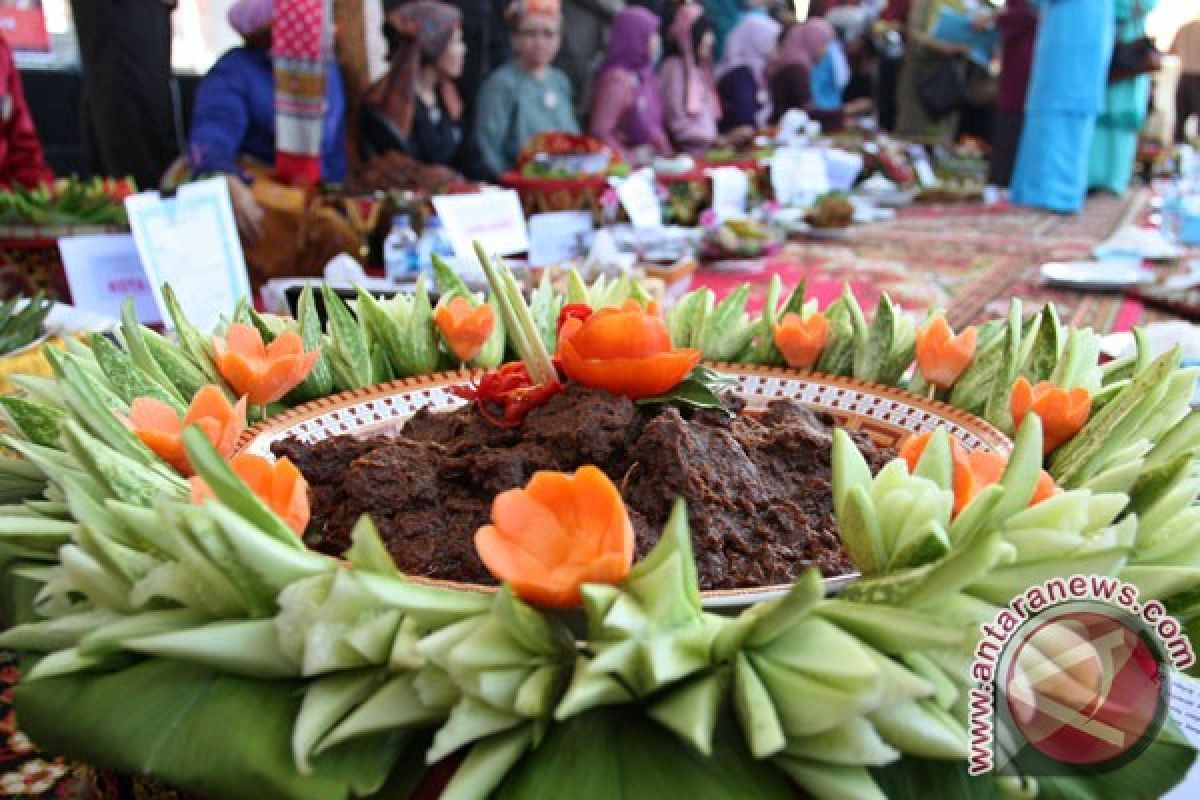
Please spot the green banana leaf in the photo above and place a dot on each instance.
(1152, 774)
(212, 734)
(619, 754)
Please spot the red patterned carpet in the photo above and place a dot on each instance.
(968, 259)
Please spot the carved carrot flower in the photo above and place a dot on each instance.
(558, 533)
(464, 327)
(160, 428)
(974, 470)
(941, 356)
(625, 351)
(988, 468)
(964, 481)
(280, 485)
(1063, 412)
(801, 339)
(264, 373)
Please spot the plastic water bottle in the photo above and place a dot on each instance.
(400, 250)
(433, 242)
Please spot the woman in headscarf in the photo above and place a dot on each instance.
(792, 73)
(415, 109)
(235, 121)
(690, 103)
(626, 108)
(1066, 94)
(528, 96)
(1126, 102)
(741, 76)
(234, 116)
(830, 70)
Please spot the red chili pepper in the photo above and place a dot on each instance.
(507, 394)
(579, 311)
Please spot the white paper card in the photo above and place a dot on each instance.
(798, 175)
(730, 190)
(558, 236)
(842, 168)
(495, 219)
(190, 241)
(925, 174)
(1185, 710)
(639, 198)
(103, 271)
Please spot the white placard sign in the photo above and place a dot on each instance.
(103, 271)
(639, 197)
(495, 219)
(730, 189)
(1185, 710)
(191, 242)
(798, 175)
(558, 236)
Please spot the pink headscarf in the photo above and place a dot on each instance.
(803, 44)
(750, 44)
(698, 76)
(248, 16)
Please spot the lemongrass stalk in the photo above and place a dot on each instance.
(518, 321)
(529, 326)
(504, 304)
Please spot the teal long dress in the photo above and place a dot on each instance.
(1114, 147)
(1066, 95)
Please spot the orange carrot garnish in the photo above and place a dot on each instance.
(465, 328)
(941, 356)
(558, 533)
(1063, 412)
(264, 373)
(801, 340)
(160, 428)
(279, 485)
(974, 471)
(625, 351)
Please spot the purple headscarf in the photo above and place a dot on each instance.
(750, 44)
(629, 40)
(804, 44)
(248, 16)
(629, 49)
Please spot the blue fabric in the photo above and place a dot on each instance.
(1066, 93)
(234, 116)
(1113, 158)
(826, 94)
(1052, 162)
(1070, 61)
(1114, 149)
